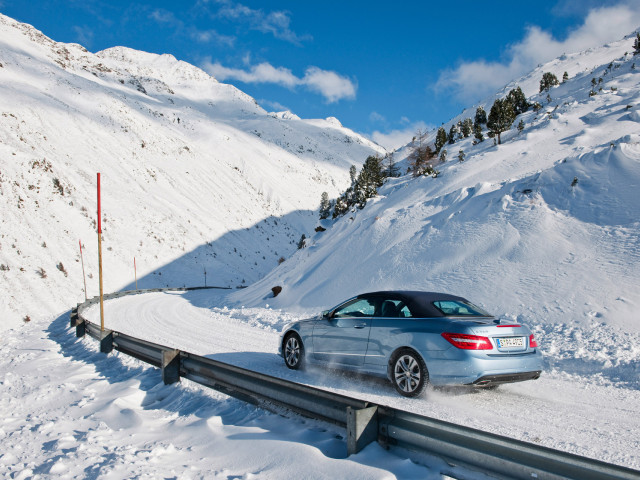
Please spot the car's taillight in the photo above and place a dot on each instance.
(468, 342)
(532, 341)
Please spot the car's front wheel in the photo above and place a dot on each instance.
(409, 373)
(293, 351)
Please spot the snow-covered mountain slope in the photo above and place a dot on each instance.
(581, 67)
(194, 173)
(544, 228)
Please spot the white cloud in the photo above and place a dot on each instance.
(261, 73)
(84, 36)
(331, 85)
(273, 106)
(201, 36)
(377, 117)
(472, 80)
(277, 23)
(164, 16)
(395, 139)
(208, 36)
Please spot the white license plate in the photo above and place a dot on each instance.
(510, 342)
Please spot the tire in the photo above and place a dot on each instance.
(409, 373)
(293, 351)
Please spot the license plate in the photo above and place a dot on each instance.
(510, 342)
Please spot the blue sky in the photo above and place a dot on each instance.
(383, 69)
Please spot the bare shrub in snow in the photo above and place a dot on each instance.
(58, 186)
(60, 267)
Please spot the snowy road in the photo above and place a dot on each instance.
(585, 414)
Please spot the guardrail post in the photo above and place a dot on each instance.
(362, 428)
(106, 341)
(81, 328)
(170, 366)
(73, 317)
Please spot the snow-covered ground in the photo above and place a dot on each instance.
(543, 229)
(71, 412)
(550, 411)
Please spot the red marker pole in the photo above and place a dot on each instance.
(100, 258)
(83, 275)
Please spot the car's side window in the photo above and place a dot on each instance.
(452, 308)
(393, 309)
(357, 308)
(405, 312)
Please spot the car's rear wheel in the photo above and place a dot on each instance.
(293, 351)
(409, 373)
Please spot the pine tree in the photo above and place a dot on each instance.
(518, 100)
(548, 80)
(345, 201)
(453, 134)
(325, 206)
(477, 132)
(636, 45)
(443, 156)
(301, 243)
(342, 205)
(368, 181)
(501, 118)
(461, 155)
(352, 174)
(441, 139)
(481, 117)
(565, 77)
(467, 127)
(521, 126)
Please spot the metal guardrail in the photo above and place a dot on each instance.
(365, 422)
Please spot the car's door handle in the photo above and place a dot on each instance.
(361, 325)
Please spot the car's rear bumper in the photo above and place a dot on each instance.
(476, 368)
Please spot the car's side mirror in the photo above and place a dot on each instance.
(326, 314)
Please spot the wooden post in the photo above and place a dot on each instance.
(100, 258)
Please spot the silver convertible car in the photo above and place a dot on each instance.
(415, 338)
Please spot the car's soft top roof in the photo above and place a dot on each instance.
(420, 303)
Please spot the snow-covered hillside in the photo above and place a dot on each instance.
(544, 228)
(195, 175)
